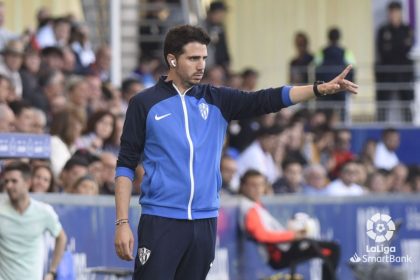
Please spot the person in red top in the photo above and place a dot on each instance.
(285, 247)
(341, 153)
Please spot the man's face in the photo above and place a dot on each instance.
(24, 121)
(7, 124)
(16, 185)
(395, 17)
(13, 61)
(191, 64)
(349, 174)
(392, 141)
(228, 169)
(254, 187)
(293, 174)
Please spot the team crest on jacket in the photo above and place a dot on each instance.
(204, 110)
(144, 255)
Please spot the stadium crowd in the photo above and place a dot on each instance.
(53, 82)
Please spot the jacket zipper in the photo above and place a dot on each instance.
(190, 143)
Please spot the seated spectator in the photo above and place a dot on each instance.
(385, 156)
(109, 163)
(228, 169)
(10, 65)
(7, 119)
(361, 173)
(101, 66)
(284, 247)
(39, 121)
(341, 153)
(345, 184)
(29, 73)
(77, 92)
(99, 131)
(52, 58)
(42, 180)
(377, 182)
(23, 116)
(4, 89)
(86, 185)
(368, 154)
(398, 179)
(129, 88)
(75, 168)
(258, 156)
(316, 180)
(292, 180)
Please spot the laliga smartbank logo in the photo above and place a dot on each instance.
(380, 228)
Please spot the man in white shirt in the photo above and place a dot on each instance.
(385, 156)
(23, 222)
(346, 183)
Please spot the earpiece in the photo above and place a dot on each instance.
(173, 63)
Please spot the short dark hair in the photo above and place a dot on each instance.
(180, 36)
(389, 130)
(289, 161)
(250, 173)
(334, 35)
(395, 5)
(76, 161)
(21, 166)
(18, 106)
(127, 83)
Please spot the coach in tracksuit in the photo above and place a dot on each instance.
(176, 129)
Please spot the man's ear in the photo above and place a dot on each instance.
(171, 60)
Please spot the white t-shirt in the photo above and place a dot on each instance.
(338, 188)
(21, 239)
(384, 158)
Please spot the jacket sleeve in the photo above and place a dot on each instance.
(132, 139)
(256, 229)
(238, 104)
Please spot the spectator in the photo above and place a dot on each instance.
(42, 180)
(12, 61)
(77, 92)
(69, 61)
(284, 247)
(39, 121)
(52, 58)
(217, 50)
(7, 119)
(320, 147)
(101, 66)
(51, 90)
(234, 80)
(292, 180)
(329, 62)
(86, 185)
(23, 116)
(99, 131)
(82, 47)
(4, 89)
(109, 163)
(29, 73)
(229, 169)
(5, 35)
(249, 79)
(215, 75)
(345, 184)
(129, 88)
(258, 156)
(398, 178)
(66, 127)
(385, 156)
(377, 182)
(299, 65)
(368, 154)
(75, 168)
(315, 180)
(341, 153)
(394, 66)
(27, 220)
(146, 68)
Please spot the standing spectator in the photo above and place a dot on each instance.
(27, 220)
(82, 47)
(345, 184)
(393, 43)
(299, 65)
(249, 79)
(217, 51)
(329, 62)
(385, 155)
(13, 54)
(5, 35)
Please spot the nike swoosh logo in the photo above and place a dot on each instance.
(158, 118)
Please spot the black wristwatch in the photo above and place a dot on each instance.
(316, 91)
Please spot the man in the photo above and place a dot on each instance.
(345, 184)
(10, 65)
(394, 66)
(23, 222)
(385, 156)
(292, 180)
(7, 119)
(178, 127)
(285, 247)
(24, 116)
